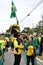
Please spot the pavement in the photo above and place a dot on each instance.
(9, 59)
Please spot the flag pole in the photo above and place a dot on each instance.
(17, 20)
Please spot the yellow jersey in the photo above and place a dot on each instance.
(19, 47)
(3, 44)
(30, 51)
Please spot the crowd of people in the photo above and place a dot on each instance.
(21, 43)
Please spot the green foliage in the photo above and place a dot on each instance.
(39, 28)
(27, 30)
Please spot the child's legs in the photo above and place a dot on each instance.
(28, 60)
(32, 60)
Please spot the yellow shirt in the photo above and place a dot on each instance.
(18, 46)
(13, 39)
(3, 44)
(30, 50)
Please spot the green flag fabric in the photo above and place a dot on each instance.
(13, 10)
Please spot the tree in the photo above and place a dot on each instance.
(39, 28)
(27, 30)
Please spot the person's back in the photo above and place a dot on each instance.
(36, 42)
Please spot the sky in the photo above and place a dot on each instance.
(23, 8)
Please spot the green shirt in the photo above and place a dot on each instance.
(35, 41)
(0, 43)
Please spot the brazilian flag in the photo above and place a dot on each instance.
(13, 10)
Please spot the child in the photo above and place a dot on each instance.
(30, 51)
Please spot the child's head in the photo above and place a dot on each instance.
(20, 36)
(31, 39)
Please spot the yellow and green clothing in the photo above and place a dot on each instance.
(30, 50)
(13, 39)
(36, 42)
(2, 47)
(18, 49)
(2, 44)
(30, 53)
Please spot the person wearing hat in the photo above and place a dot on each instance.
(18, 49)
(14, 31)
